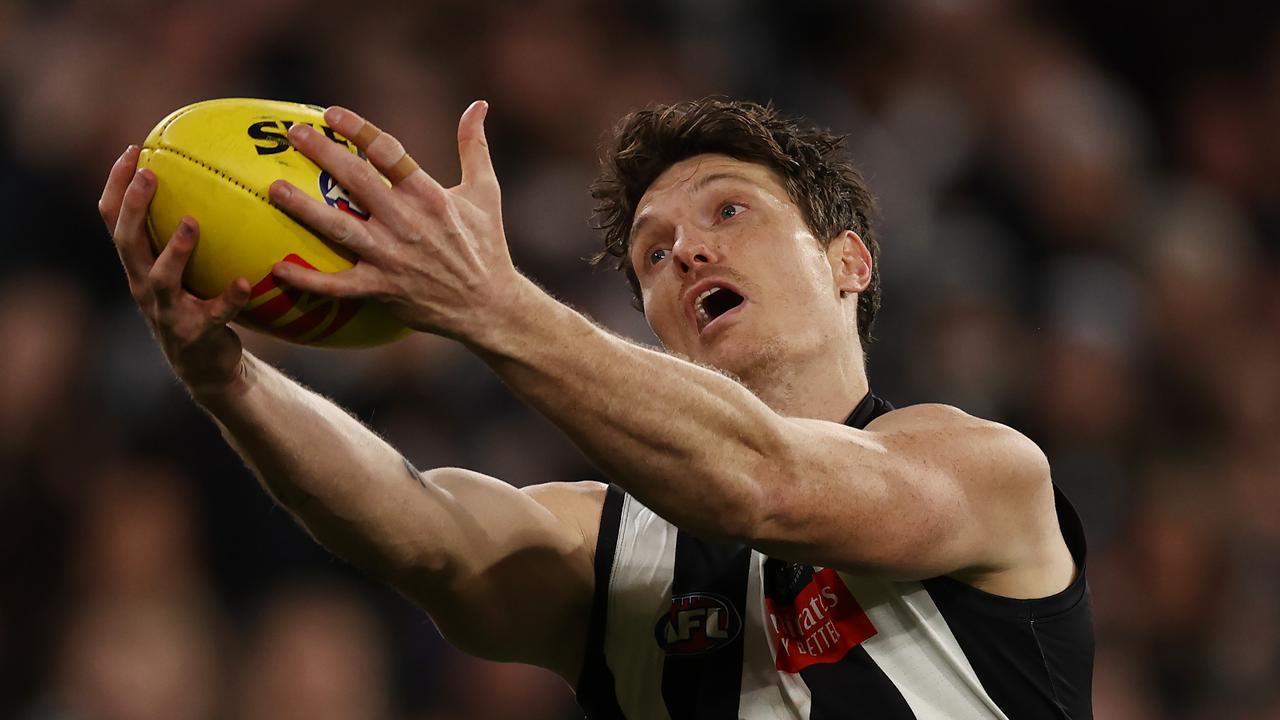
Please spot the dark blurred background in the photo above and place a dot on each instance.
(1081, 231)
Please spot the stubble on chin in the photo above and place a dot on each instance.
(761, 367)
(757, 366)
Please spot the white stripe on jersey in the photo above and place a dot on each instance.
(766, 693)
(912, 643)
(639, 594)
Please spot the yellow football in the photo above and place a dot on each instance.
(214, 161)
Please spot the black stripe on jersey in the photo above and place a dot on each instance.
(855, 687)
(596, 690)
(1033, 657)
(707, 686)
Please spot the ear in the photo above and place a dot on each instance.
(851, 263)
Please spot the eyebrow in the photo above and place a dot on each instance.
(697, 186)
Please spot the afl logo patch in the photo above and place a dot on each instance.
(337, 197)
(697, 623)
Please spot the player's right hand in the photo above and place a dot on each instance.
(204, 353)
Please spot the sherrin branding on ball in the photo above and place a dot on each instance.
(215, 161)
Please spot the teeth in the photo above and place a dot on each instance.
(703, 317)
(705, 294)
(699, 310)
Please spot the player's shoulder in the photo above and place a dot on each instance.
(929, 415)
(985, 442)
(937, 416)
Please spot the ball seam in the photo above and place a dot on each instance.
(173, 118)
(221, 173)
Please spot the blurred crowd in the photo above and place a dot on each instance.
(1081, 238)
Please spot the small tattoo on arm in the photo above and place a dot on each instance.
(413, 471)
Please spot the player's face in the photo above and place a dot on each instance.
(729, 271)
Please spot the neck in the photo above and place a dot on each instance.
(824, 388)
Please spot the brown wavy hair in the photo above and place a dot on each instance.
(812, 162)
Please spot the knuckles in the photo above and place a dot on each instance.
(163, 281)
(385, 149)
(181, 337)
(434, 200)
(341, 230)
(161, 291)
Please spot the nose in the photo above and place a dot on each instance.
(691, 250)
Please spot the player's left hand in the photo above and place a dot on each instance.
(437, 256)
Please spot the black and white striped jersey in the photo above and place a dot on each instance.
(683, 628)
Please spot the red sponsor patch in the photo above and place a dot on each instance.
(270, 301)
(821, 625)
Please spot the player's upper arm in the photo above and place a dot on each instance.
(923, 491)
(518, 581)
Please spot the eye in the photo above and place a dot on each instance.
(657, 255)
(730, 210)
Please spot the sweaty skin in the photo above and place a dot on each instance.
(763, 459)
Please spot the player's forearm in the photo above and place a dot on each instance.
(687, 441)
(346, 485)
(493, 567)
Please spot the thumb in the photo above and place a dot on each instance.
(473, 147)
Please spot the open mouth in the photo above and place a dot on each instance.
(714, 302)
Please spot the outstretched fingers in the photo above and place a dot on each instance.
(383, 150)
(329, 222)
(355, 175)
